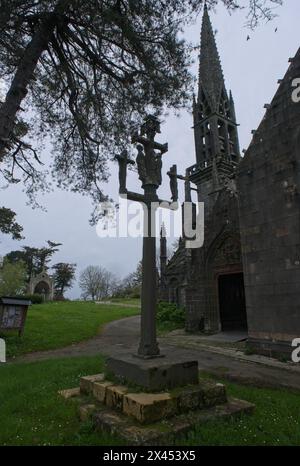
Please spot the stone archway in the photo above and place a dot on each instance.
(42, 284)
(225, 284)
(43, 289)
(232, 304)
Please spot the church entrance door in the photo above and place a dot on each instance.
(232, 302)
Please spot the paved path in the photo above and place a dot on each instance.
(123, 335)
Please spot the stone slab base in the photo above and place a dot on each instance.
(167, 431)
(143, 418)
(146, 407)
(154, 374)
(273, 349)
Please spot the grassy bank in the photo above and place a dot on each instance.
(31, 411)
(58, 324)
(33, 414)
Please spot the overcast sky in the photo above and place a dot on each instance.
(251, 69)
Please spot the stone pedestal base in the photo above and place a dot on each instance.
(167, 431)
(154, 374)
(143, 418)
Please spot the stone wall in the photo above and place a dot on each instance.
(269, 186)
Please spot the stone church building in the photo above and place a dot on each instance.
(246, 276)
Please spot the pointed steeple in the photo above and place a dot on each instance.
(211, 79)
(215, 126)
(232, 107)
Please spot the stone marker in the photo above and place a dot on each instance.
(154, 374)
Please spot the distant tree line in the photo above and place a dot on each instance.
(19, 266)
(97, 283)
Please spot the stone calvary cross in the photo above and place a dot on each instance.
(149, 164)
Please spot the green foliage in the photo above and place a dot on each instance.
(36, 259)
(63, 278)
(34, 298)
(169, 312)
(98, 67)
(57, 324)
(130, 286)
(8, 224)
(12, 278)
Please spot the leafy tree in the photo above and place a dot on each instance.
(44, 255)
(27, 255)
(35, 259)
(8, 224)
(131, 284)
(89, 69)
(96, 283)
(63, 277)
(12, 278)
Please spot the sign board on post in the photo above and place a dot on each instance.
(13, 313)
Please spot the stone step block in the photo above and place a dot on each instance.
(86, 383)
(213, 393)
(86, 411)
(115, 395)
(100, 390)
(69, 393)
(168, 431)
(149, 407)
(205, 394)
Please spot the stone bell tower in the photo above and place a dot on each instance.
(215, 127)
(208, 281)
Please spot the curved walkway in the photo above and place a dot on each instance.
(123, 335)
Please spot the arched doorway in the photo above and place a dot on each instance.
(225, 285)
(232, 304)
(43, 289)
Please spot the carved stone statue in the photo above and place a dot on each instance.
(149, 163)
(141, 164)
(123, 162)
(173, 182)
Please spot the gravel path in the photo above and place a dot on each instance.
(123, 335)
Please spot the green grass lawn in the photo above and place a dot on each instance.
(31, 411)
(276, 420)
(135, 301)
(57, 324)
(33, 414)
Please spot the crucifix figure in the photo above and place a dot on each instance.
(149, 164)
(172, 173)
(123, 162)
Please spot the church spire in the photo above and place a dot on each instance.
(211, 79)
(215, 126)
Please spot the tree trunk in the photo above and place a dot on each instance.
(25, 73)
(21, 80)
